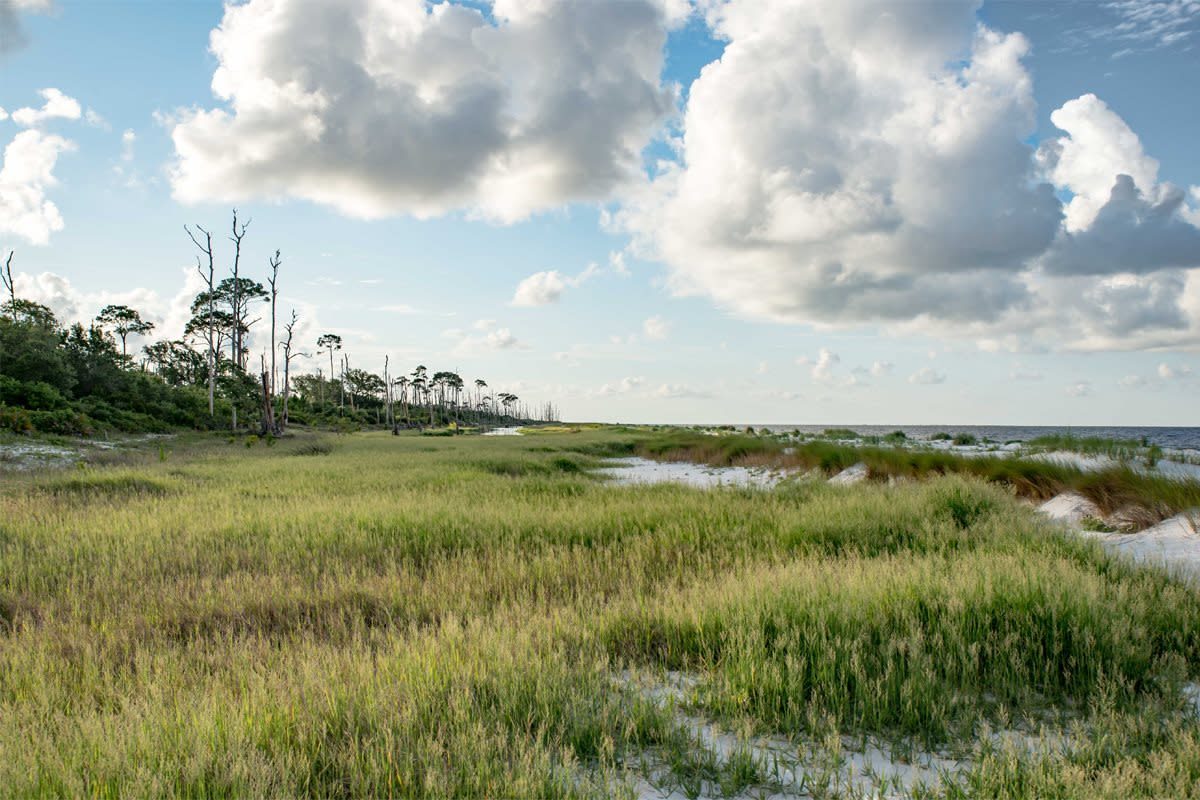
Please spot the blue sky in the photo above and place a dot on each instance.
(716, 296)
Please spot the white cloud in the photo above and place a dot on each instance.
(881, 368)
(540, 289)
(887, 176)
(1131, 382)
(381, 107)
(1098, 147)
(489, 338)
(623, 386)
(26, 175)
(57, 106)
(656, 328)
(850, 188)
(545, 288)
(827, 361)
(1151, 24)
(926, 376)
(71, 305)
(1171, 373)
(1079, 389)
(672, 391)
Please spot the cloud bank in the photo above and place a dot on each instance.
(381, 107)
(846, 165)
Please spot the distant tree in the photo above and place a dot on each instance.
(176, 363)
(123, 321)
(329, 342)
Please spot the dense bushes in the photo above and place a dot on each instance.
(75, 382)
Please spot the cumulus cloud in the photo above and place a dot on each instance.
(1079, 389)
(71, 304)
(927, 376)
(488, 336)
(27, 171)
(826, 362)
(545, 288)
(380, 107)
(843, 164)
(540, 289)
(850, 188)
(1098, 147)
(25, 177)
(57, 106)
(881, 368)
(1130, 232)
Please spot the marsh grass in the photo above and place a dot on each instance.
(1144, 498)
(407, 616)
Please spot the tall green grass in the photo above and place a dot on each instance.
(407, 616)
(1119, 487)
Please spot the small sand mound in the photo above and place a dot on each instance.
(856, 473)
(1172, 544)
(1071, 508)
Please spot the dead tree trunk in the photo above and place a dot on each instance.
(268, 419)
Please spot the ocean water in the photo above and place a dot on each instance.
(1170, 438)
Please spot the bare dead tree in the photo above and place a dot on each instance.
(274, 262)
(7, 277)
(207, 276)
(390, 417)
(288, 356)
(268, 407)
(237, 233)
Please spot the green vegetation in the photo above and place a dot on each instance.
(441, 617)
(71, 380)
(1149, 498)
(1119, 449)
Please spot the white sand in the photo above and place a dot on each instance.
(854, 767)
(1071, 509)
(854, 474)
(640, 471)
(516, 431)
(1172, 544)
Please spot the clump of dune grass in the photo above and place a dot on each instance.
(1118, 449)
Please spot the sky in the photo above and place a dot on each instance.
(768, 211)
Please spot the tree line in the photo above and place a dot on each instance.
(76, 379)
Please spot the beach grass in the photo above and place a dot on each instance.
(1116, 487)
(377, 615)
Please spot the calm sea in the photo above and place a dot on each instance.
(1175, 438)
